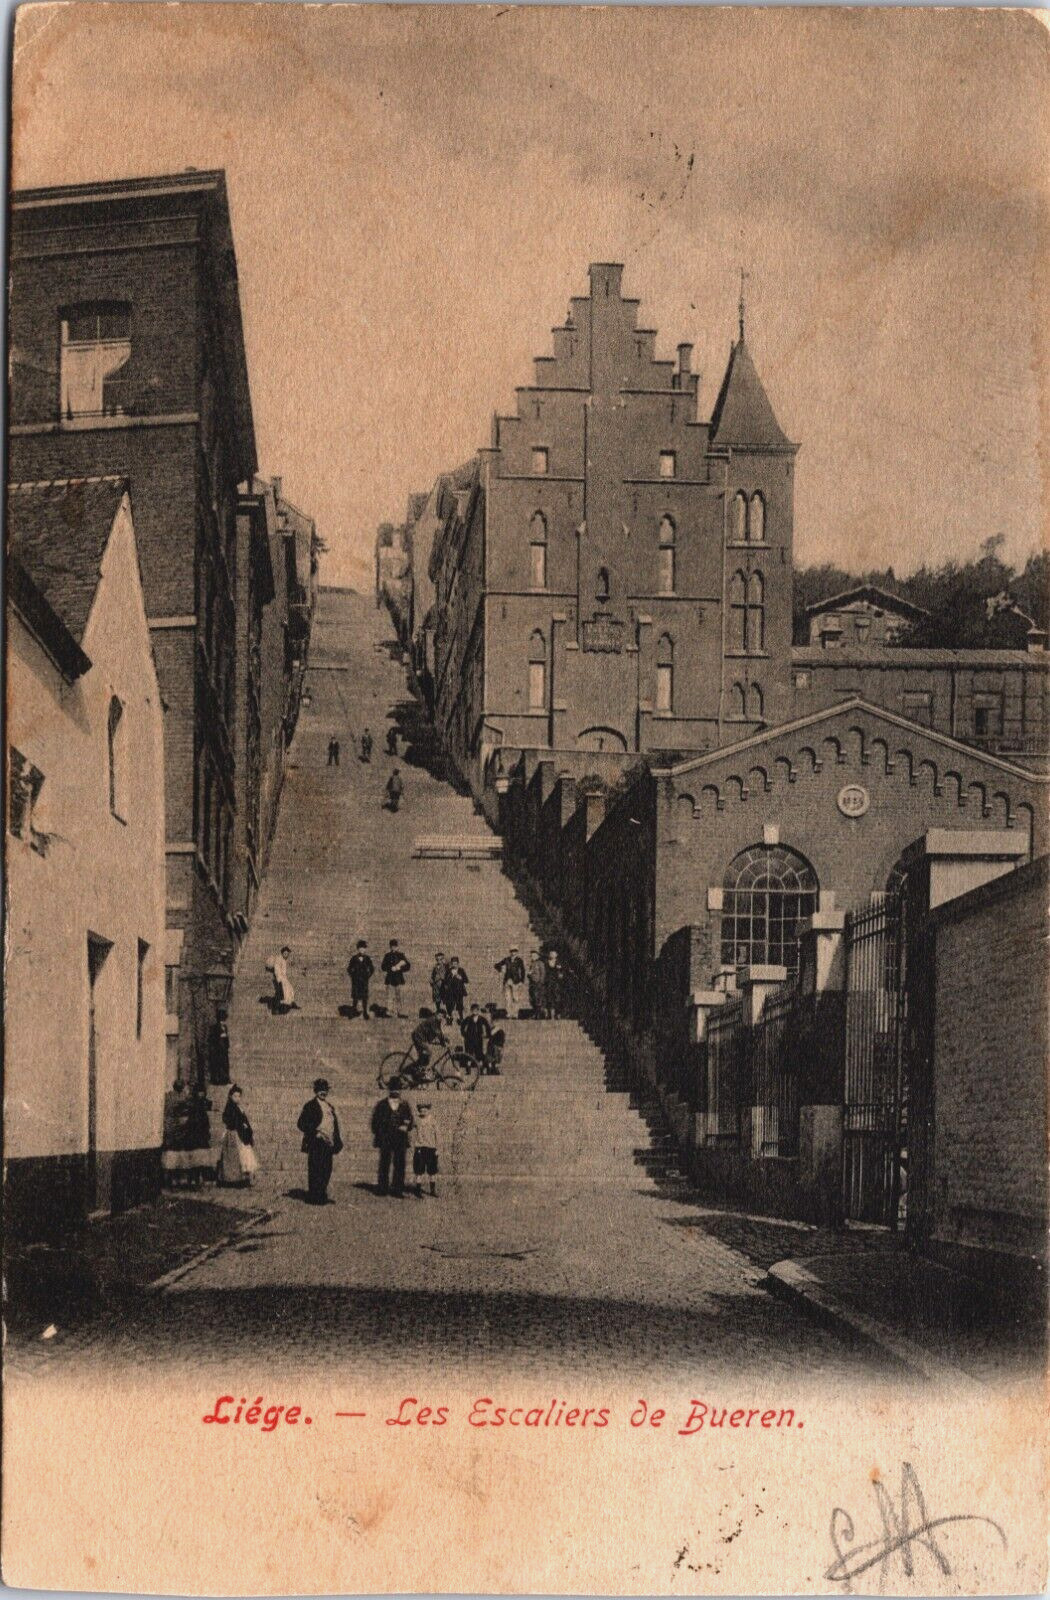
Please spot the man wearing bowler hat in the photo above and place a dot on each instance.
(319, 1127)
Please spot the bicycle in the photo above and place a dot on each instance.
(449, 1069)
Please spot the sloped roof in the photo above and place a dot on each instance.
(743, 414)
(58, 531)
(874, 596)
(842, 710)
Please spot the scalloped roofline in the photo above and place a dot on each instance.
(799, 724)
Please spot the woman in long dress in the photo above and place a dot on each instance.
(283, 993)
(238, 1163)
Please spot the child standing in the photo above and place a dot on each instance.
(425, 1147)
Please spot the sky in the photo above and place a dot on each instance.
(417, 191)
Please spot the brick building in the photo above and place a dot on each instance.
(84, 1026)
(393, 573)
(127, 356)
(865, 618)
(613, 574)
(618, 577)
(988, 1177)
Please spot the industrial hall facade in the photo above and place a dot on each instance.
(707, 812)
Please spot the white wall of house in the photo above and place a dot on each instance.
(93, 873)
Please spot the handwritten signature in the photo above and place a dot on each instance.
(902, 1531)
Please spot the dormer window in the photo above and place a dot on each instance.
(96, 344)
(668, 465)
(540, 461)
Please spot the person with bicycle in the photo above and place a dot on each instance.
(427, 1035)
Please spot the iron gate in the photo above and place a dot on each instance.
(875, 1120)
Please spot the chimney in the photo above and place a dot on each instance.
(685, 358)
(277, 482)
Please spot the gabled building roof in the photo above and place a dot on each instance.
(837, 712)
(874, 597)
(743, 414)
(57, 533)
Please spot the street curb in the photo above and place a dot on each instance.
(789, 1280)
(165, 1281)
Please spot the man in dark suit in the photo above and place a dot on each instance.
(319, 1127)
(392, 1122)
(360, 970)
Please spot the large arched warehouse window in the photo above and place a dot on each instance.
(767, 893)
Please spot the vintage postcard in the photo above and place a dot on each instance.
(528, 713)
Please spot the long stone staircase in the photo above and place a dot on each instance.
(343, 868)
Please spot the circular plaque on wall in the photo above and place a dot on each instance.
(853, 800)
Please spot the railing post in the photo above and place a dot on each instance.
(756, 984)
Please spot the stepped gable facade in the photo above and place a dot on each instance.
(127, 356)
(85, 1023)
(621, 572)
(614, 575)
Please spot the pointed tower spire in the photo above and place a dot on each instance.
(743, 415)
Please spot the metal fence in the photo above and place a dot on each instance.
(726, 1045)
(874, 1152)
(777, 1063)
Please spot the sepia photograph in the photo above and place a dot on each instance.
(526, 855)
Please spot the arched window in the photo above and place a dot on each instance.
(665, 675)
(537, 672)
(755, 631)
(115, 738)
(738, 612)
(602, 592)
(739, 523)
(737, 704)
(667, 555)
(538, 551)
(756, 522)
(757, 704)
(767, 893)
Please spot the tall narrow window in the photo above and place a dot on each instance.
(738, 612)
(96, 343)
(668, 464)
(987, 715)
(665, 676)
(115, 734)
(667, 556)
(757, 703)
(737, 703)
(739, 519)
(756, 614)
(537, 672)
(917, 706)
(140, 986)
(540, 461)
(756, 522)
(538, 552)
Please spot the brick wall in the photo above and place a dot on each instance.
(989, 1181)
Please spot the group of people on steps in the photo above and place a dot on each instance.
(394, 788)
